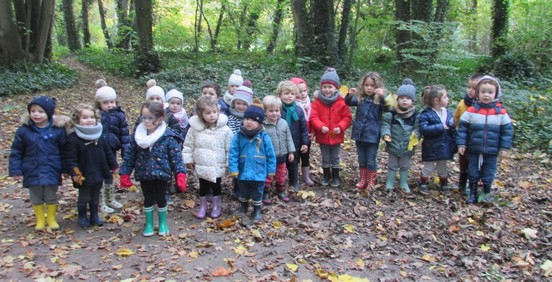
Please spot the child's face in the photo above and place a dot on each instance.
(487, 93)
(240, 106)
(38, 115)
(369, 86)
(209, 92)
(210, 115)
(250, 124)
(444, 99)
(156, 99)
(471, 87)
(232, 89)
(404, 102)
(272, 113)
(108, 105)
(87, 118)
(328, 89)
(150, 121)
(175, 105)
(288, 97)
(303, 91)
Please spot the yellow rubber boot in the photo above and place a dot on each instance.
(40, 219)
(51, 211)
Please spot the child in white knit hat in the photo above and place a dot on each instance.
(234, 81)
(115, 130)
(175, 101)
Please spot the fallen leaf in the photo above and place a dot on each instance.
(529, 233)
(547, 267)
(428, 258)
(454, 228)
(485, 247)
(221, 271)
(124, 252)
(525, 184)
(292, 267)
(226, 223)
(193, 254)
(241, 250)
(349, 228)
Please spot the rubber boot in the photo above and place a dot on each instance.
(51, 212)
(281, 188)
(103, 201)
(94, 217)
(202, 208)
(423, 185)
(293, 179)
(305, 171)
(326, 176)
(82, 210)
(266, 196)
(472, 197)
(148, 228)
(463, 181)
(486, 196)
(257, 213)
(444, 186)
(371, 179)
(40, 218)
(403, 176)
(391, 175)
(162, 216)
(216, 210)
(363, 175)
(244, 207)
(111, 201)
(336, 181)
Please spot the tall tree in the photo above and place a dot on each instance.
(11, 50)
(70, 26)
(323, 27)
(402, 14)
(276, 25)
(302, 28)
(85, 5)
(147, 60)
(344, 28)
(124, 24)
(104, 25)
(499, 28)
(213, 35)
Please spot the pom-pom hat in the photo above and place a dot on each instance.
(255, 112)
(104, 92)
(46, 103)
(154, 90)
(330, 77)
(235, 78)
(243, 93)
(407, 89)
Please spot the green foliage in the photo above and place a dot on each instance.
(147, 62)
(35, 78)
(515, 66)
(113, 61)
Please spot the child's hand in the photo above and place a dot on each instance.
(387, 138)
(324, 129)
(291, 157)
(16, 177)
(190, 166)
(461, 150)
(352, 91)
(380, 92)
(337, 130)
(78, 179)
(304, 149)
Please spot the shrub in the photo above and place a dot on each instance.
(114, 61)
(35, 78)
(514, 66)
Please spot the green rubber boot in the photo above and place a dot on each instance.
(148, 228)
(162, 215)
(391, 175)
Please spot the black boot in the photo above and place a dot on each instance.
(326, 176)
(83, 218)
(336, 181)
(462, 182)
(423, 185)
(486, 197)
(472, 197)
(444, 186)
(244, 207)
(94, 217)
(257, 216)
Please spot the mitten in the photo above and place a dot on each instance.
(181, 181)
(125, 181)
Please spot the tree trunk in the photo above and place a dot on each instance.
(197, 24)
(352, 38)
(500, 28)
(104, 25)
(303, 35)
(276, 26)
(85, 26)
(323, 29)
(147, 60)
(70, 27)
(10, 41)
(124, 28)
(343, 29)
(472, 10)
(44, 29)
(217, 28)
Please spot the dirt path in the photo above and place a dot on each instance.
(325, 233)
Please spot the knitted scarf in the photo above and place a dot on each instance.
(89, 133)
(468, 101)
(182, 118)
(405, 113)
(290, 113)
(305, 104)
(251, 133)
(146, 141)
(328, 100)
(235, 113)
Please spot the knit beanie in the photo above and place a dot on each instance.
(298, 80)
(104, 92)
(330, 77)
(255, 112)
(235, 78)
(247, 83)
(46, 103)
(154, 90)
(173, 93)
(243, 93)
(407, 89)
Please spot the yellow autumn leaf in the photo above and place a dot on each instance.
(344, 89)
(360, 262)
(257, 234)
(428, 258)
(292, 267)
(276, 224)
(349, 278)
(349, 228)
(378, 202)
(383, 238)
(399, 221)
(412, 142)
(485, 247)
(403, 274)
(322, 274)
(499, 184)
(546, 267)
(379, 213)
(306, 194)
(193, 254)
(124, 252)
(241, 250)
(115, 219)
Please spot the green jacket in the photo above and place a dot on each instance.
(400, 130)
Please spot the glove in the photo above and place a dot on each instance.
(125, 181)
(181, 181)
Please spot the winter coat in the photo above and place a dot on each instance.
(235, 123)
(281, 138)
(208, 148)
(336, 115)
(485, 129)
(115, 128)
(158, 162)
(37, 153)
(368, 118)
(252, 159)
(439, 143)
(400, 130)
(460, 110)
(94, 159)
(223, 107)
(299, 130)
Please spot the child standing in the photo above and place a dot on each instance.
(485, 131)
(439, 134)
(206, 151)
(282, 140)
(175, 99)
(115, 131)
(295, 118)
(463, 105)
(36, 155)
(397, 129)
(89, 161)
(330, 118)
(252, 160)
(155, 154)
(212, 89)
(242, 98)
(304, 102)
(371, 101)
(234, 81)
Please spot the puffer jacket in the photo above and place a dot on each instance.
(37, 153)
(208, 148)
(400, 130)
(439, 143)
(252, 159)
(299, 129)
(485, 129)
(281, 138)
(336, 115)
(158, 162)
(115, 128)
(368, 117)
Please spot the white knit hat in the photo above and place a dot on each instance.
(104, 92)
(154, 90)
(173, 93)
(235, 78)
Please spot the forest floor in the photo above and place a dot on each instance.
(335, 234)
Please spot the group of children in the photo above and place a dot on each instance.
(258, 143)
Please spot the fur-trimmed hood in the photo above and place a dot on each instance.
(197, 124)
(60, 121)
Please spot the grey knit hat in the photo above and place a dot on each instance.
(407, 89)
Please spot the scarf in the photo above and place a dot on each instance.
(468, 101)
(182, 118)
(442, 113)
(305, 104)
(146, 141)
(227, 98)
(89, 133)
(328, 100)
(235, 113)
(405, 113)
(291, 114)
(251, 133)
